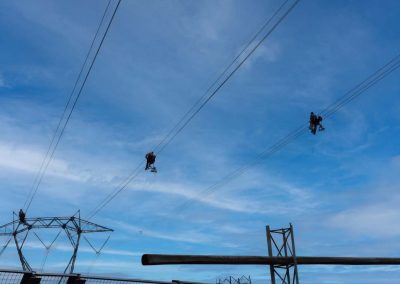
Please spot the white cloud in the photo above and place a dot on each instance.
(224, 200)
(231, 229)
(187, 236)
(28, 160)
(268, 51)
(95, 154)
(374, 220)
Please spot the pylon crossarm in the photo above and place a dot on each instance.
(70, 223)
(89, 227)
(73, 227)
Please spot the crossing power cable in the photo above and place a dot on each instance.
(117, 191)
(378, 75)
(61, 129)
(252, 50)
(38, 174)
(329, 111)
(250, 42)
(199, 104)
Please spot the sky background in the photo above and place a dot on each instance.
(339, 188)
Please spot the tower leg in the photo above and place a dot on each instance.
(281, 244)
(24, 263)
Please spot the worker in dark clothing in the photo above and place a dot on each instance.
(150, 160)
(21, 216)
(315, 121)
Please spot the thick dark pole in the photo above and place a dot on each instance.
(156, 259)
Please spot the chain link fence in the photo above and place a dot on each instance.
(23, 277)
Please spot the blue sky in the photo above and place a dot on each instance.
(339, 188)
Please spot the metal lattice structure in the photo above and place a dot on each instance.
(73, 226)
(281, 258)
(281, 244)
(232, 280)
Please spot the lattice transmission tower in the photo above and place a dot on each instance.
(74, 228)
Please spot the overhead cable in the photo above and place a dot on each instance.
(63, 122)
(329, 111)
(197, 103)
(240, 59)
(235, 69)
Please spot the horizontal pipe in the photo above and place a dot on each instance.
(157, 259)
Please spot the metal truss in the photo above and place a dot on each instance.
(232, 280)
(73, 226)
(281, 244)
(281, 258)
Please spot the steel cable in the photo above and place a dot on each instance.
(349, 96)
(185, 120)
(28, 204)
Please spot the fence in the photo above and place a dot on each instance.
(24, 277)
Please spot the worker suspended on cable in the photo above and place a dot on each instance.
(315, 121)
(150, 160)
(21, 216)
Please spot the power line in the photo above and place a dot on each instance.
(193, 111)
(378, 74)
(117, 191)
(65, 109)
(232, 72)
(349, 96)
(43, 171)
(219, 77)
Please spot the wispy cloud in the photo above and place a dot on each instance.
(230, 200)
(27, 159)
(374, 220)
(187, 236)
(333, 186)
